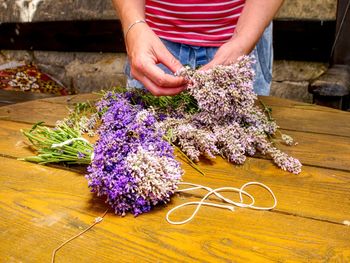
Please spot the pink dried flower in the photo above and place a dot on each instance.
(228, 121)
(288, 140)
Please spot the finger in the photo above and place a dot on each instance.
(161, 91)
(156, 90)
(166, 58)
(159, 77)
(208, 66)
(219, 60)
(214, 62)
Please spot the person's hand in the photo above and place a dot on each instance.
(145, 50)
(227, 54)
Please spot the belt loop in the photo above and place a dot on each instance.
(201, 56)
(184, 55)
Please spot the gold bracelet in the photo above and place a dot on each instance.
(132, 25)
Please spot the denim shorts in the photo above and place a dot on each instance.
(195, 56)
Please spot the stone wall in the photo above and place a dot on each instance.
(308, 9)
(79, 72)
(86, 72)
(50, 10)
(53, 10)
(291, 79)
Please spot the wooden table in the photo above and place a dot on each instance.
(41, 206)
(8, 97)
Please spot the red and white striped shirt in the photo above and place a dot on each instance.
(194, 22)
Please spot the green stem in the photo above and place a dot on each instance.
(192, 164)
(267, 110)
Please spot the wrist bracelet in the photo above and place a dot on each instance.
(132, 25)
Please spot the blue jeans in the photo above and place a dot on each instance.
(195, 56)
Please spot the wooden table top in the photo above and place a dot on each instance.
(41, 206)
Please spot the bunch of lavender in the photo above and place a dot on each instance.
(223, 93)
(62, 144)
(228, 121)
(133, 166)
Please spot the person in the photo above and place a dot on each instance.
(163, 35)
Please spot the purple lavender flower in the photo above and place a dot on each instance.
(133, 166)
(81, 155)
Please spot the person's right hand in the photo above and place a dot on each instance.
(145, 50)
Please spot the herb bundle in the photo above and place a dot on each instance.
(132, 163)
(62, 144)
(133, 166)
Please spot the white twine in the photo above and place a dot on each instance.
(225, 199)
(67, 142)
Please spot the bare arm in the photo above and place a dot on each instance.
(145, 50)
(255, 17)
(129, 11)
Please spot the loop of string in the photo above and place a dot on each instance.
(216, 191)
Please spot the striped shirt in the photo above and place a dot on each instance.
(194, 22)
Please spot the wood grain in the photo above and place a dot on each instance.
(33, 112)
(316, 193)
(11, 97)
(298, 119)
(13, 143)
(275, 101)
(326, 151)
(42, 207)
(314, 121)
(72, 99)
(321, 150)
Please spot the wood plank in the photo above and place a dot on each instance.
(41, 207)
(8, 97)
(275, 101)
(258, 167)
(314, 121)
(33, 112)
(298, 119)
(323, 181)
(315, 193)
(13, 143)
(325, 151)
(321, 150)
(48, 110)
(72, 99)
(268, 100)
